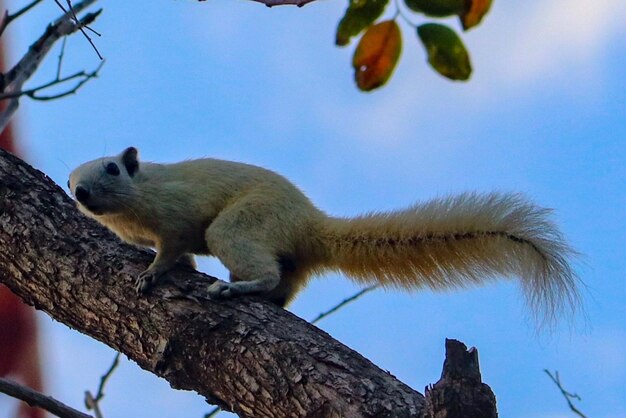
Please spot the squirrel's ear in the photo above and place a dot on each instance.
(131, 160)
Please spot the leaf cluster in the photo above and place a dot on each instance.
(380, 46)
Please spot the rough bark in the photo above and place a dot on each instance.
(460, 392)
(246, 355)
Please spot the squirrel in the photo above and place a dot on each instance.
(272, 239)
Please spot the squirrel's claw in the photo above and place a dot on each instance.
(220, 290)
(145, 281)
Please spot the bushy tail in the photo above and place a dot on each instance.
(456, 242)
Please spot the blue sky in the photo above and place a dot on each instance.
(544, 114)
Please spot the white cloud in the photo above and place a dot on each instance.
(531, 40)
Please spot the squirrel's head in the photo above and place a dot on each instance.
(106, 185)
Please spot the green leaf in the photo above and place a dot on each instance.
(360, 14)
(437, 8)
(376, 55)
(446, 52)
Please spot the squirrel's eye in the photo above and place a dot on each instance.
(112, 169)
(68, 184)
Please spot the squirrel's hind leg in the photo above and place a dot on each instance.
(253, 267)
(187, 260)
(247, 238)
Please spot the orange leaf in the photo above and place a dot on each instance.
(376, 55)
(475, 12)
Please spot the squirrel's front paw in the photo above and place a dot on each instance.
(221, 290)
(145, 281)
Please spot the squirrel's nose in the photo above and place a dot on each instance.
(82, 194)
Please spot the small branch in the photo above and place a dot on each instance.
(8, 18)
(402, 12)
(30, 62)
(7, 114)
(92, 405)
(69, 4)
(81, 26)
(92, 402)
(85, 78)
(343, 303)
(213, 412)
(32, 93)
(567, 395)
(105, 378)
(272, 3)
(36, 399)
(61, 55)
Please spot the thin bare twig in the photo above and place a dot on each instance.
(14, 79)
(69, 4)
(81, 26)
(213, 412)
(92, 402)
(8, 18)
(36, 399)
(92, 405)
(567, 395)
(29, 63)
(343, 303)
(321, 316)
(32, 93)
(61, 55)
(85, 78)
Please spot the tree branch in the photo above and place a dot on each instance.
(81, 27)
(317, 319)
(272, 3)
(13, 81)
(36, 399)
(93, 402)
(245, 355)
(32, 93)
(8, 18)
(7, 113)
(567, 395)
(344, 303)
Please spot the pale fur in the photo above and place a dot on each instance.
(272, 238)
